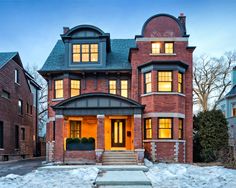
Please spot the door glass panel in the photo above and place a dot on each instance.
(120, 132)
(116, 132)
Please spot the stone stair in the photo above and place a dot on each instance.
(119, 158)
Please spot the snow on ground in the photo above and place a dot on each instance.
(81, 177)
(185, 176)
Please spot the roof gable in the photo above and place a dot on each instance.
(5, 57)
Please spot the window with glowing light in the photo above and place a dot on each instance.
(165, 81)
(112, 86)
(74, 88)
(156, 47)
(58, 89)
(84, 53)
(165, 128)
(180, 82)
(148, 82)
(124, 88)
(148, 128)
(169, 47)
(75, 129)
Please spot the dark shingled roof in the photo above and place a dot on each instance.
(5, 57)
(232, 92)
(117, 58)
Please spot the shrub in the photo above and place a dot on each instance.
(84, 140)
(76, 140)
(69, 140)
(91, 140)
(210, 136)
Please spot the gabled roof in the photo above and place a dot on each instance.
(232, 92)
(117, 58)
(5, 57)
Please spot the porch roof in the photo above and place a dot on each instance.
(98, 103)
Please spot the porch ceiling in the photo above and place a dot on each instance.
(98, 103)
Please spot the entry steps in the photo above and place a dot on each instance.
(119, 158)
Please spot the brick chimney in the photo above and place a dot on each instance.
(182, 19)
(65, 30)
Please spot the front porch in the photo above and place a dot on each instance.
(116, 128)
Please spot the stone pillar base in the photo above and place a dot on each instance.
(140, 155)
(99, 153)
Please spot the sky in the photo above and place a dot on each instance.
(32, 27)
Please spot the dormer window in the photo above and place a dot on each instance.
(85, 53)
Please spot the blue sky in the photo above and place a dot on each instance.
(32, 27)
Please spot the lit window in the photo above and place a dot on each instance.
(164, 81)
(180, 83)
(124, 88)
(5, 94)
(94, 52)
(85, 52)
(112, 86)
(181, 128)
(156, 47)
(75, 129)
(16, 76)
(76, 53)
(169, 47)
(74, 87)
(20, 106)
(148, 82)
(58, 89)
(165, 128)
(148, 128)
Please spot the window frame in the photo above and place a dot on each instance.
(1, 135)
(171, 129)
(79, 89)
(145, 83)
(17, 143)
(5, 94)
(180, 83)
(22, 130)
(16, 76)
(164, 81)
(181, 130)
(81, 53)
(110, 86)
(127, 89)
(58, 89)
(76, 130)
(145, 128)
(165, 47)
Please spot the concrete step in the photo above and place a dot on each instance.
(124, 178)
(119, 163)
(123, 168)
(125, 186)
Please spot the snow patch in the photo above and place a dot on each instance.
(189, 176)
(81, 177)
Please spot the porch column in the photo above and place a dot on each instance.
(100, 138)
(59, 138)
(138, 146)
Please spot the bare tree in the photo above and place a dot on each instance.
(211, 79)
(42, 96)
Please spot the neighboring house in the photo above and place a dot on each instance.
(228, 107)
(18, 109)
(130, 95)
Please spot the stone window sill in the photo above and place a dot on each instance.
(162, 54)
(59, 99)
(163, 93)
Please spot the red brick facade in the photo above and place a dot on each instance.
(160, 28)
(11, 118)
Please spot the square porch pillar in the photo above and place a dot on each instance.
(138, 145)
(59, 142)
(100, 138)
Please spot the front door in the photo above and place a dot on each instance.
(118, 133)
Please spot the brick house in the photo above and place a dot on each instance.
(18, 109)
(133, 96)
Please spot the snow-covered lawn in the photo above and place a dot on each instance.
(185, 176)
(81, 177)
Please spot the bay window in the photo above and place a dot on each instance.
(165, 129)
(148, 82)
(58, 91)
(165, 81)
